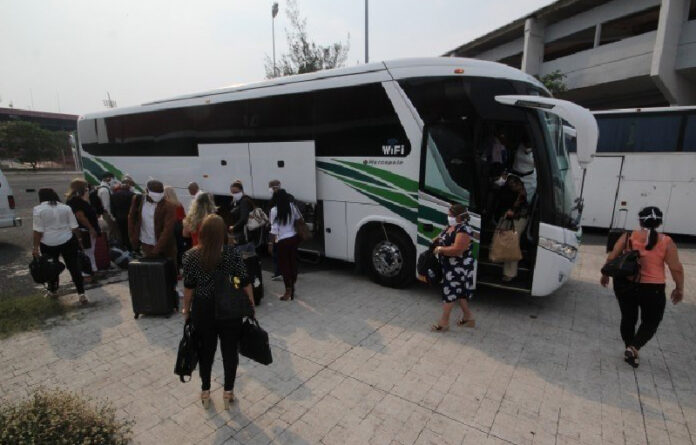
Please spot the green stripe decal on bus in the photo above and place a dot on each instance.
(95, 167)
(401, 182)
(344, 171)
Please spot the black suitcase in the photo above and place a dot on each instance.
(253, 267)
(152, 283)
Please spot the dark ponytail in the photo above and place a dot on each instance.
(650, 218)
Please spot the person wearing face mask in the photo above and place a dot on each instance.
(454, 249)
(151, 222)
(242, 205)
(106, 187)
(523, 167)
(510, 204)
(78, 200)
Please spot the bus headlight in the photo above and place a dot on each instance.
(565, 250)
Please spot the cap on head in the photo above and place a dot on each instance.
(155, 186)
(274, 184)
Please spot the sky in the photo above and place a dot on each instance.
(65, 55)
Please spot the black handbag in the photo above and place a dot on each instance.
(230, 300)
(429, 267)
(253, 342)
(626, 265)
(187, 357)
(44, 270)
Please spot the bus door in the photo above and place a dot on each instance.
(558, 242)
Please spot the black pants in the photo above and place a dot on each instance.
(122, 224)
(207, 332)
(287, 260)
(69, 251)
(650, 299)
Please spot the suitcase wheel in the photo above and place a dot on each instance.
(136, 315)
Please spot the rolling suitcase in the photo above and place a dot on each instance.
(614, 232)
(152, 284)
(253, 267)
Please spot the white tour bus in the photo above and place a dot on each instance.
(644, 157)
(377, 152)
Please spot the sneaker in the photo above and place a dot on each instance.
(278, 277)
(82, 298)
(51, 294)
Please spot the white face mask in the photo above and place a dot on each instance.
(500, 181)
(237, 196)
(156, 197)
(451, 220)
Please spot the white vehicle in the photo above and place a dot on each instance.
(7, 205)
(644, 157)
(378, 152)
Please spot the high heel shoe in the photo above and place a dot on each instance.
(205, 399)
(227, 398)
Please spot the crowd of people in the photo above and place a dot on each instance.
(154, 223)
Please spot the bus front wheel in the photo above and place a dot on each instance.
(391, 258)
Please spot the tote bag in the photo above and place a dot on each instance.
(506, 243)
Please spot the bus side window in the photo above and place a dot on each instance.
(690, 133)
(450, 163)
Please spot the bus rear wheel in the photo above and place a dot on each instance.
(391, 258)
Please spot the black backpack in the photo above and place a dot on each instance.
(187, 357)
(94, 200)
(44, 270)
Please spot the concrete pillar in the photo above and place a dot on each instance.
(533, 52)
(676, 88)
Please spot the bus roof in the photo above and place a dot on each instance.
(646, 110)
(395, 69)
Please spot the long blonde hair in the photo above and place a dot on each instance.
(170, 195)
(78, 187)
(211, 238)
(202, 206)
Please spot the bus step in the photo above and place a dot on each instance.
(505, 286)
(520, 268)
(309, 256)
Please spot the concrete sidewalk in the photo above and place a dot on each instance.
(355, 363)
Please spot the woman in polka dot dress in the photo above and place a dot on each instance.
(454, 248)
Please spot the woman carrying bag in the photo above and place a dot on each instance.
(217, 294)
(285, 220)
(647, 291)
(454, 249)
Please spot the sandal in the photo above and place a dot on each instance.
(437, 328)
(631, 356)
(467, 323)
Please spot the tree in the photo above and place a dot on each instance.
(305, 56)
(554, 82)
(29, 143)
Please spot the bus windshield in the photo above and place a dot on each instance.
(564, 195)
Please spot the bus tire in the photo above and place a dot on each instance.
(391, 260)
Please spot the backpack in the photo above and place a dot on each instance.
(95, 201)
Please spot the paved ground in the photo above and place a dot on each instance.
(355, 363)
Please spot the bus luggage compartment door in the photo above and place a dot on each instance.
(221, 164)
(292, 163)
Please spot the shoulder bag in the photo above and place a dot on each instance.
(626, 265)
(506, 243)
(300, 225)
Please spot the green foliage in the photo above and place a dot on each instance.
(23, 313)
(29, 143)
(305, 56)
(554, 82)
(61, 417)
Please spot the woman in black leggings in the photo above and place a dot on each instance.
(56, 234)
(201, 263)
(647, 293)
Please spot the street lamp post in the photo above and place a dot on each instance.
(367, 57)
(274, 13)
